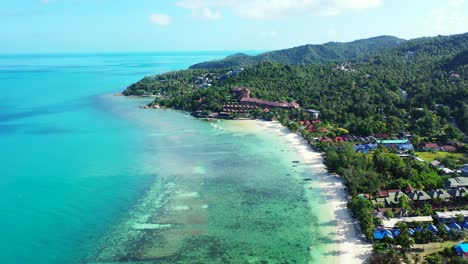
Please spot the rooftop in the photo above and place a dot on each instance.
(457, 182)
(452, 214)
(394, 141)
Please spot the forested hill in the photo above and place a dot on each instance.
(308, 54)
(417, 86)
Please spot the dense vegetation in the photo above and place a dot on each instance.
(411, 87)
(308, 54)
(380, 171)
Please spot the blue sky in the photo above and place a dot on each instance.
(34, 26)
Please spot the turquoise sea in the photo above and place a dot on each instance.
(87, 177)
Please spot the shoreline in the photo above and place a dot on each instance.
(347, 247)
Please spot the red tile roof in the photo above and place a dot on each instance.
(431, 145)
(449, 148)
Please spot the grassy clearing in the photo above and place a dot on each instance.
(426, 249)
(430, 156)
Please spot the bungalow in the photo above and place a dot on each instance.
(449, 217)
(385, 194)
(449, 148)
(464, 170)
(436, 164)
(394, 198)
(462, 249)
(440, 194)
(431, 147)
(314, 114)
(456, 182)
(419, 196)
(459, 192)
(446, 171)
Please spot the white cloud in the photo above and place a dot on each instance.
(263, 9)
(456, 3)
(160, 19)
(207, 13)
(269, 34)
(446, 22)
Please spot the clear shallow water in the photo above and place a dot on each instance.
(89, 178)
(70, 162)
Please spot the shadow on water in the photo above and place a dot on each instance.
(44, 110)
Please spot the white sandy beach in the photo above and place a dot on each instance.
(347, 247)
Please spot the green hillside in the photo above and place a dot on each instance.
(308, 54)
(417, 86)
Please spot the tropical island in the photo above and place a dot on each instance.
(389, 115)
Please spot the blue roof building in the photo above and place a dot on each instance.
(455, 226)
(464, 225)
(462, 250)
(432, 228)
(381, 234)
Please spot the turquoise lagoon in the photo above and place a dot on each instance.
(87, 177)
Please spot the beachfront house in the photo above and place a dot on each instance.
(456, 182)
(440, 194)
(394, 198)
(419, 196)
(459, 192)
(449, 217)
(462, 249)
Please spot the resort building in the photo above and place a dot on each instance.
(269, 104)
(245, 99)
(401, 144)
(391, 222)
(449, 217)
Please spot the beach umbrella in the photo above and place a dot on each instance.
(378, 234)
(464, 225)
(411, 231)
(387, 233)
(446, 227)
(419, 229)
(455, 226)
(396, 232)
(432, 228)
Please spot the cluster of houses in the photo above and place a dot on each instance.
(456, 188)
(436, 147)
(203, 82)
(346, 66)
